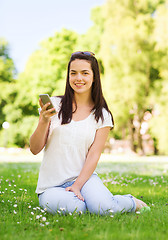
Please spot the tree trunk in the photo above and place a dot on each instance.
(139, 138)
(132, 135)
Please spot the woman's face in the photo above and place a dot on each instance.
(81, 76)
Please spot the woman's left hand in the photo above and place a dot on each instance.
(76, 191)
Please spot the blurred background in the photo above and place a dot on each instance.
(130, 41)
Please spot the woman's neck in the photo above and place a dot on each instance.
(82, 100)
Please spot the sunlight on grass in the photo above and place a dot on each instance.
(21, 217)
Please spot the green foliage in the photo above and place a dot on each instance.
(159, 124)
(7, 71)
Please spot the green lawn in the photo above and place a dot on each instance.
(20, 217)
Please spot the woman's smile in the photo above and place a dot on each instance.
(79, 84)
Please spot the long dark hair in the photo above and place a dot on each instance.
(97, 95)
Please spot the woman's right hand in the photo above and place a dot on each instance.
(45, 114)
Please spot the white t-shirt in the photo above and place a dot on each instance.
(66, 148)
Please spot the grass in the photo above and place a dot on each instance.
(19, 206)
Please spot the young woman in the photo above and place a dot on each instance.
(74, 138)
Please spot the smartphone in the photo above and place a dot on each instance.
(45, 99)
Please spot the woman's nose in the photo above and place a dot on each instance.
(79, 77)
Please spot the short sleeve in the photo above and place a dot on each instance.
(56, 101)
(108, 121)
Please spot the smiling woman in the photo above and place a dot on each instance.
(74, 138)
(81, 78)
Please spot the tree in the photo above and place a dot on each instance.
(131, 63)
(159, 123)
(45, 72)
(7, 81)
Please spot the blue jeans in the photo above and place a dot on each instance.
(98, 199)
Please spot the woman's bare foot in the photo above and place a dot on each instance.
(139, 204)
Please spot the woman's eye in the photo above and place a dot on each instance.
(85, 73)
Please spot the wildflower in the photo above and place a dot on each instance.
(20, 189)
(3, 201)
(32, 213)
(42, 211)
(47, 223)
(43, 219)
(137, 212)
(6, 189)
(70, 213)
(15, 212)
(19, 176)
(111, 216)
(34, 209)
(15, 205)
(18, 222)
(37, 217)
(14, 185)
(111, 211)
(62, 209)
(29, 206)
(25, 190)
(41, 224)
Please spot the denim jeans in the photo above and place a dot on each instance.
(97, 199)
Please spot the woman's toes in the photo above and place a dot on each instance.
(139, 204)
